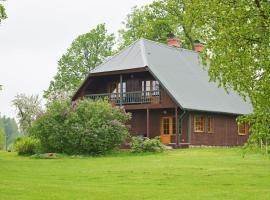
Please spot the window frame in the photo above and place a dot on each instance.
(212, 124)
(246, 129)
(202, 123)
(172, 125)
(117, 87)
(150, 85)
(207, 121)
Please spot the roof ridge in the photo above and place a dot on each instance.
(170, 47)
(144, 57)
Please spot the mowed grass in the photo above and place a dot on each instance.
(176, 174)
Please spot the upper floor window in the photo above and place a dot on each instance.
(115, 87)
(243, 129)
(150, 87)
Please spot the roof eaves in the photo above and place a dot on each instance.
(211, 111)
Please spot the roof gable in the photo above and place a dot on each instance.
(129, 58)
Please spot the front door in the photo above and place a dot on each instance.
(167, 130)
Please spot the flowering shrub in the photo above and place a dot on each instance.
(90, 127)
(139, 145)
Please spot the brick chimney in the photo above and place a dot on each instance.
(173, 41)
(198, 46)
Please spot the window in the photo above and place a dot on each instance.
(204, 124)
(210, 124)
(243, 129)
(166, 125)
(150, 86)
(199, 123)
(115, 87)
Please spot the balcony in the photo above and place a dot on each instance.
(137, 97)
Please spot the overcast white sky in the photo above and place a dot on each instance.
(37, 33)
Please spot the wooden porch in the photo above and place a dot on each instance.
(136, 97)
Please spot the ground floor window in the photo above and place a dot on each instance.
(210, 124)
(199, 123)
(242, 129)
(203, 124)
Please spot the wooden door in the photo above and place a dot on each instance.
(167, 129)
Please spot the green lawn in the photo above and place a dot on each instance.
(176, 174)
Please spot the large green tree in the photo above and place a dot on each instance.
(3, 14)
(156, 20)
(237, 36)
(86, 52)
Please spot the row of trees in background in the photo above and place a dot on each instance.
(8, 131)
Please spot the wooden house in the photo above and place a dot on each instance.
(169, 95)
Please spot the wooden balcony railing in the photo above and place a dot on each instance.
(138, 97)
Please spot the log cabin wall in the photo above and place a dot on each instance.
(184, 130)
(225, 131)
(138, 121)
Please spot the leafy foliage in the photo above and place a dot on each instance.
(28, 109)
(9, 128)
(237, 50)
(3, 14)
(26, 145)
(2, 139)
(86, 52)
(140, 145)
(156, 20)
(88, 128)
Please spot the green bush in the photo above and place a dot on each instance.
(89, 127)
(139, 145)
(26, 145)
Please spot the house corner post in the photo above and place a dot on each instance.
(147, 123)
(176, 127)
(121, 89)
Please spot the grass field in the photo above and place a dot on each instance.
(177, 174)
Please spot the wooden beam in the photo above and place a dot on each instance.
(176, 127)
(117, 72)
(121, 89)
(147, 123)
(189, 127)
